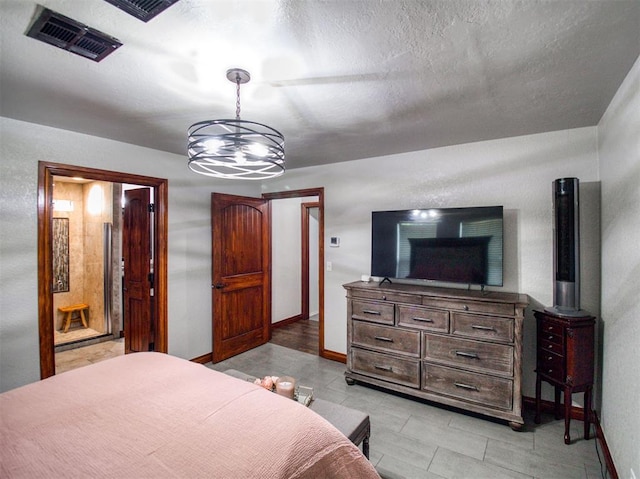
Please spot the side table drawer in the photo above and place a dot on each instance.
(372, 311)
(547, 327)
(387, 339)
(478, 388)
(551, 365)
(554, 347)
(382, 366)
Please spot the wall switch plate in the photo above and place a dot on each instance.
(632, 475)
(329, 266)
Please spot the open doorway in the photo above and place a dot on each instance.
(48, 280)
(299, 228)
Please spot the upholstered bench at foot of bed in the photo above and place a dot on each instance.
(352, 423)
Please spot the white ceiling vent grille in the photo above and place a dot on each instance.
(143, 10)
(63, 32)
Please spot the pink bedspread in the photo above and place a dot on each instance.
(154, 415)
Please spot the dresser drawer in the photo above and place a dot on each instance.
(388, 296)
(372, 311)
(382, 366)
(423, 318)
(551, 365)
(482, 327)
(507, 309)
(469, 354)
(384, 338)
(478, 388)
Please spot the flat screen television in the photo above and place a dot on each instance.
(450, 245)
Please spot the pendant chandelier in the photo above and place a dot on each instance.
(236, 149)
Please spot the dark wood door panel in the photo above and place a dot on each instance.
(240, 273)
(137, 251)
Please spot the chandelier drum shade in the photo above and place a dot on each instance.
(236, 149)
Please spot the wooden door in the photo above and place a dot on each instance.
(240, 274)
(138, 276)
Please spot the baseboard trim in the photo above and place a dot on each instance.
(608, 459)
(577, 413)
(333, 356)
(286, 321)
(205, 358)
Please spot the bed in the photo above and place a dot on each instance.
(155, 415)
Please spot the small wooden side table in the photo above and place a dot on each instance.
(565, 359)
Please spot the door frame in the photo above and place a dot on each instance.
(319, 192)
(305, 213)
(46, 172)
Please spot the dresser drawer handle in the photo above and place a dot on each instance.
(467, 355)
(382, 338)
(424, 320)
(549, 358)
(482, 328)
(465, 307)
(384, 368)
(551, 346)
(549, 371)
(465, 386)
(550, 337)
(369, 311)
(550, 328)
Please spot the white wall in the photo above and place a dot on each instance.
(515, 172)
(22, 145)
(314, 272)
(285, 256)
(619, 151)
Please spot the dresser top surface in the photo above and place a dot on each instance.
(438, 292)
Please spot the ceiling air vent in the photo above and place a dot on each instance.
(143, 10)
(63, 32)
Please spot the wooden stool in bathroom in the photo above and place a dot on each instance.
(69, 315)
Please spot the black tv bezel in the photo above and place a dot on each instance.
(449, 211)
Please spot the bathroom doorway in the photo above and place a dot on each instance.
(100, 306)
(88, 261)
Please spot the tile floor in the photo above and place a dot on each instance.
(411, 439)
(76, 358)
(74, 334)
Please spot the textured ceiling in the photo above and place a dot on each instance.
(342, 79)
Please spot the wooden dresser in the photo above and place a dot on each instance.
(456, 347)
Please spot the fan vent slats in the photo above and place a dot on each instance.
(143, 10)
(64, 32)
(60, 31)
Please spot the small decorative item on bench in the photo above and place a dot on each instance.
(304, 395)
(286, 386)
(267, 382)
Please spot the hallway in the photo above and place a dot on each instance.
(301, 336)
